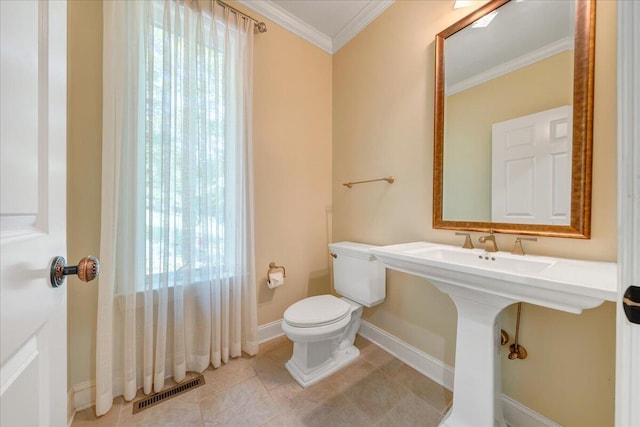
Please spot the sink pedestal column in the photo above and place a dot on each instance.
(477, 382)
(481, 290)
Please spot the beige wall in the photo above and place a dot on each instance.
(538, 87)
(292, 170)
(84, 157)
(383, 125)
(292, 175)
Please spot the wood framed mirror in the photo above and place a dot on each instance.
(514, 119)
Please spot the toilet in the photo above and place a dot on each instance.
(323, 328)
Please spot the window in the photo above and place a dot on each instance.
(192, 147)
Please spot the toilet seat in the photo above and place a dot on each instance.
(317, 311)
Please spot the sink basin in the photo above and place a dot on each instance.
(478, 258)
(482, 284)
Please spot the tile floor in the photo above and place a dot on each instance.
(376, 390)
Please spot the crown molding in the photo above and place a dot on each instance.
(544, 52)
(359, 22)
(289, 22)
(300, 28)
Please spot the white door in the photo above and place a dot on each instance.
(33, 316)
(628, 334)
(531, 168)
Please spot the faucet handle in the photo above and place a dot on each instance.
(467, 241)
(517, 247)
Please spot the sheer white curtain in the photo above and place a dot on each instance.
(177, 286)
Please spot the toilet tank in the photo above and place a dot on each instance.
(357, 274)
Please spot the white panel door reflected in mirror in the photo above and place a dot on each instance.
(531, 168)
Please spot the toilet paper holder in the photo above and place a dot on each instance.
(273, 266)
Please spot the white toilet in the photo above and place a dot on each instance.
(323, 328)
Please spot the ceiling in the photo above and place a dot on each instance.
(329, 24)
(521, 33)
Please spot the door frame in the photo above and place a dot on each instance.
(627, 334)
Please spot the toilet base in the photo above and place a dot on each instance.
(338, 360)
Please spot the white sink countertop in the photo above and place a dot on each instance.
(560, 283)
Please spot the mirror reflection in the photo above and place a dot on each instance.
(505, 80)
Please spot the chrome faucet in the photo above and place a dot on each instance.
(490, 242)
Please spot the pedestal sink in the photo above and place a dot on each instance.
(481, 285)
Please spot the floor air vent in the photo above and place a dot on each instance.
(154, 399)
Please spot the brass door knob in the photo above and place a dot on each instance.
(87, 269)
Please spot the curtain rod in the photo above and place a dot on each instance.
(260, 26)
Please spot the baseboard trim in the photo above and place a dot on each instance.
(71, 412)
(270, 331)
(518, 415)
(84, 395)
(422, 362)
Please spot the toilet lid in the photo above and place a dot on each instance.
(317, 311)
